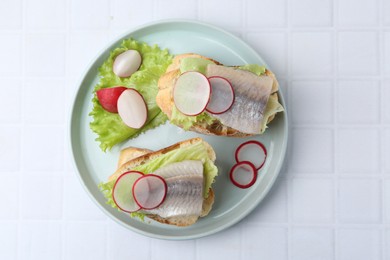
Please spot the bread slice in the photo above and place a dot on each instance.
(132, 157)
(165, 101)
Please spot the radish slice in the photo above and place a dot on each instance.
(243, 174)
(150, 191)
(222, 97)
(252, 151)
(126, 63)
(192, 93)
(132, 108)
(122, 191)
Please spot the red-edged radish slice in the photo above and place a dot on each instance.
(122, 191)
(150, 191)
(243, 174)
(126, 63)
(108, 98)
(132, 108)
(252, 151)
(191, 93)
(222, 97)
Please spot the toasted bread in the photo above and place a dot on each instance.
(133, 156)
(165, 101)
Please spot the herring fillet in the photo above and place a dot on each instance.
(185, 190)
(251, 97)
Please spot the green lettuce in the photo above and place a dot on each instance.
(109, 126)
(196, 151)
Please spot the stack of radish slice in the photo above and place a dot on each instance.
(134, 190)
(250, 157)
(127, 102)
(194, 93)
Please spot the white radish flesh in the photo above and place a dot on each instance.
(191, 93)
(132, 108)
(243, 174)
(252, 151)
(150, 191)
(126, 63)
(222, 96)
(122, 191)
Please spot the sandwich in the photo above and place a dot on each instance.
(187, 171)
(249, 110)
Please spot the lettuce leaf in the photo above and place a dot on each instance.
(254, 68)
(196, 151)
(109, 126)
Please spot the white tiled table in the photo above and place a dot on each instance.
(332, 200)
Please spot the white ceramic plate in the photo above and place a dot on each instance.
(231, 203)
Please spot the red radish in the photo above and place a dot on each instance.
(222, 97)
(150, 191)
(243, 174)
(108, 98)
(126, 63)
(132, 108)
(252, 151)
(122, 191)
(191, 93)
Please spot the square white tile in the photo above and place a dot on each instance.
(359, 201)
(359, 244)
(10, 194)
(263, 13)
(387, 243)
(226, 241)
(357, 13)
(90, 14)
(264, 242)
(358, 101)
(231, 17)
(9, 240)
(311, 150)
(11, 55)
(189, 10)
(358, 150)
(11, 14)
(45, 14)
(126, 244)
(312, 54)
(318, 207)
(358, 53)
(40, 240)
(386, 145)
(50, 109)
(386, 54)
(124, 15)
(311, 102)
(45, 55)
(41, 197)
(386, 198)
(272, 48)
(83, 47)
(37, 141)
(273, 209)
(77, 205)
(10, 88)
(173, 250)
(9, 148)
(303, 14)
(385, 98)
(386, 12)
(83, 239)
(312, 243)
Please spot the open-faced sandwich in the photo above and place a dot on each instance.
(200, 94)
(171, 185)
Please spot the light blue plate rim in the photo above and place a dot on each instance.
(72, 131)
